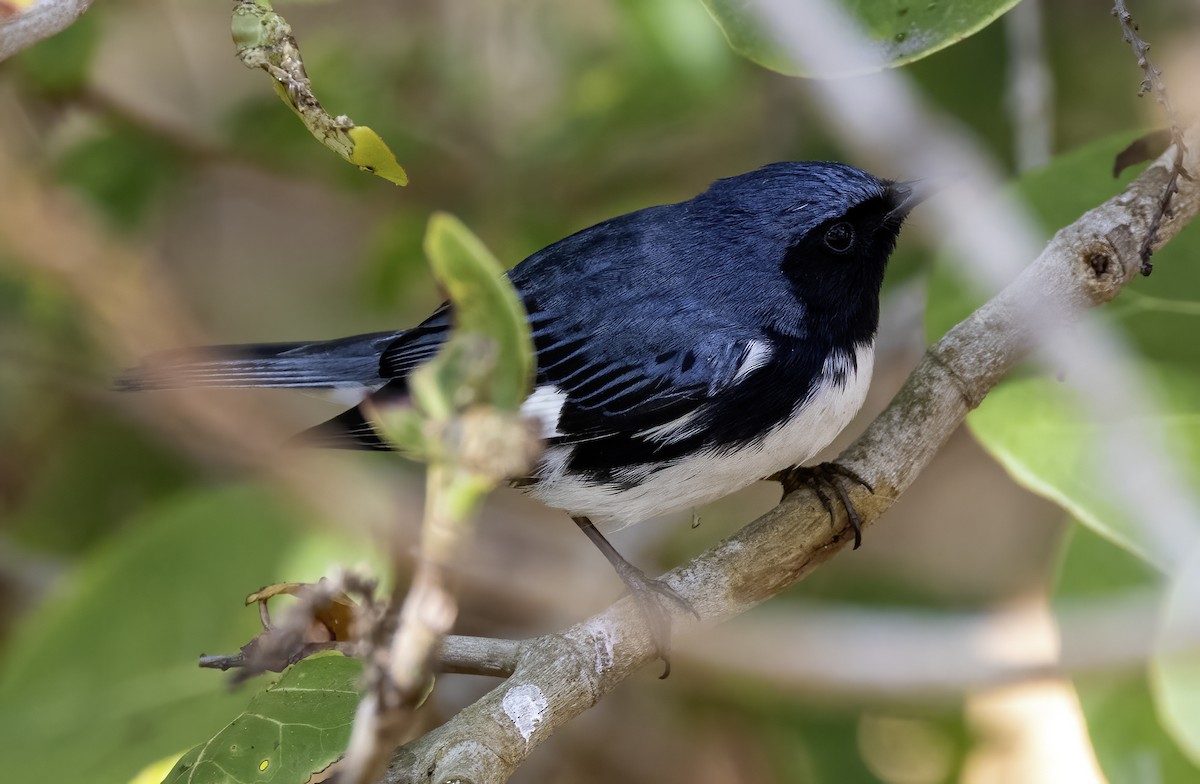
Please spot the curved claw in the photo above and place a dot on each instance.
(650, 593)
(824, 476)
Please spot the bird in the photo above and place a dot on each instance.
(683, 352)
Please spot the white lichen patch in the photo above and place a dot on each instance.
(603, 635)
(467, 755)
(701, 583)
(525, 705)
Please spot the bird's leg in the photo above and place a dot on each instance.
(819, 479)
(648, 592)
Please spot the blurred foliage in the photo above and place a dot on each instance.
(1124, 717)
(1051, 443)
(103, 677)
(61, 64)
(1175, 669)
(395, 276)
(1031, 422)
(112, 469)
(530, 120)
(125, 171)
(818, 742)
(900, 31)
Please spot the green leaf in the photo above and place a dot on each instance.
(485, 304)
(370, 153)
(1091, 568)
(1036, 428)
(1130, 743)
(1050, 444)
(1031, 423)
(294, 728)
(1123, 720)
(901, 31)
(102, 678)
(1175, 676)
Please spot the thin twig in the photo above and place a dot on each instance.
(287, 641)
(1153, 82)
(479, 656)
(459, 655)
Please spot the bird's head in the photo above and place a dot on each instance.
(828, 227)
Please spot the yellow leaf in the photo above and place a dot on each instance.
(371, 153)
(155, 772)
(337, 617)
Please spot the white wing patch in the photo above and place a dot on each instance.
(758, 353)
(348, 394)
(545, 405)
(670, 432)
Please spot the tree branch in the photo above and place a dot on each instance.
(1153, 82)
(559, 676)
(479, 656)
(39, 22)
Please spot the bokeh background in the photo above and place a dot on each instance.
(157, 193)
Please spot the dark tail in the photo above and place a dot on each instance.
(348, 430)
(348, 363)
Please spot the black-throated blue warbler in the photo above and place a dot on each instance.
(683, 351)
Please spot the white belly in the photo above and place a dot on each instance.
(711, 475)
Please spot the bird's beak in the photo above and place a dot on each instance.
(906, 195)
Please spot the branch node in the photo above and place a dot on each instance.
(949, 368)
(1101, 272)
(1098, 261)
(1152, 81)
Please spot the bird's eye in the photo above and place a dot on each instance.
(839, 237)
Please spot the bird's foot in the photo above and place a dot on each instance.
(654, 599)
(652, 596)
(821, 479)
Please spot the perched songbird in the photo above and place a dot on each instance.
(683, 351)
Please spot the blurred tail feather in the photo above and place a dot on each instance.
(348, 362)
(348, 430)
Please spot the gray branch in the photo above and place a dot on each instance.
(559, 676)
(1153, 82)
(479, 656)
(37, 23)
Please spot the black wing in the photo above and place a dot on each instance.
(645, 399)
(654, 400)
(417, 345)
(641, 393)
